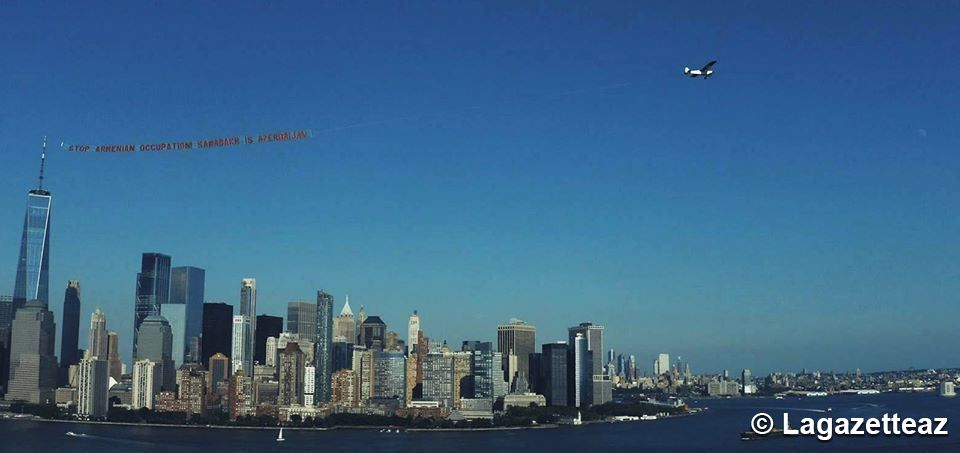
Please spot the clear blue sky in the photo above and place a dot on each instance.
(542, 160)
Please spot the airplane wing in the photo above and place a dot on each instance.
(709, 65)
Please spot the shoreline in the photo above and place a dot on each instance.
(274, 428)
(333, 428)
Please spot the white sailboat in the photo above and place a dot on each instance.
(280, 436)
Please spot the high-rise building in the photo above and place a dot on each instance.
(267, 326)
(114, 365)
(33, 270)
(153, 290)
(364, 369)
(413, 331)
(192, 389)
(662, 364)
(553, 384)
(581, 380)
(593, 334)
(324, 346)
(146, 384)
(517, 339)
(389, 375)
(241, 359)
(240, 396)
(69, 341)
(345, 326)
(486, 367)
(536, 372)
(361, 317)
(187, 286)
(309, 385)
(342, 356)
(219, 372)
(344, 388)
(156, 345)
(93, 386)
(6, 318)
(373, 333)
(438, 375)
(217, 330)
(271, 351)
(33, 264)
(248, 308)
(98, 343)
(33, 367)
(302, 318)
(292, 368)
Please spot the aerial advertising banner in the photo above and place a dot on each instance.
(192, 145)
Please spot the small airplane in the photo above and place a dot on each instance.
(705, 71)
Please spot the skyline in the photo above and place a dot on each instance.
(791, 212)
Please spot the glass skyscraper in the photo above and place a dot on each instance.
(69, 349)
(153, 290)
(33, 266)
(186, 310)
(324, 345)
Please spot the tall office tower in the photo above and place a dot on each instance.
(519, 339)
(345, 326)
(241, 359)
(267, 327)
(248, 308)
(662, 364)
(302, 318)
(240, 396)
(6, 317)
(93, 387)
(390, 375)
(70, 338)
(621, 365)
(746, 379)
(219, 369)
(309, 385)
(593, 334)
(114, 365)
(153, 290)
(156, 345)
(292, 366)
(342, 356)
(536, 372)
(33, 267)
(324, 345)
(438, 378)
(146, 384)
(413, 331)
(217, 330)
(344, 388)
(33, 367)
(486, 369)
(98, 343)
(187, 286)
(373, 333)
(554, 365)
(580, 390)
(363, 361)
(632, 367)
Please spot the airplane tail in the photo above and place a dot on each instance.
(686, 70)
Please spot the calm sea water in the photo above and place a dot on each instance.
(716, 430)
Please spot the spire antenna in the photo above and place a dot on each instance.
(43, 159)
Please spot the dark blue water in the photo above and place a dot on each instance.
(716, 430)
